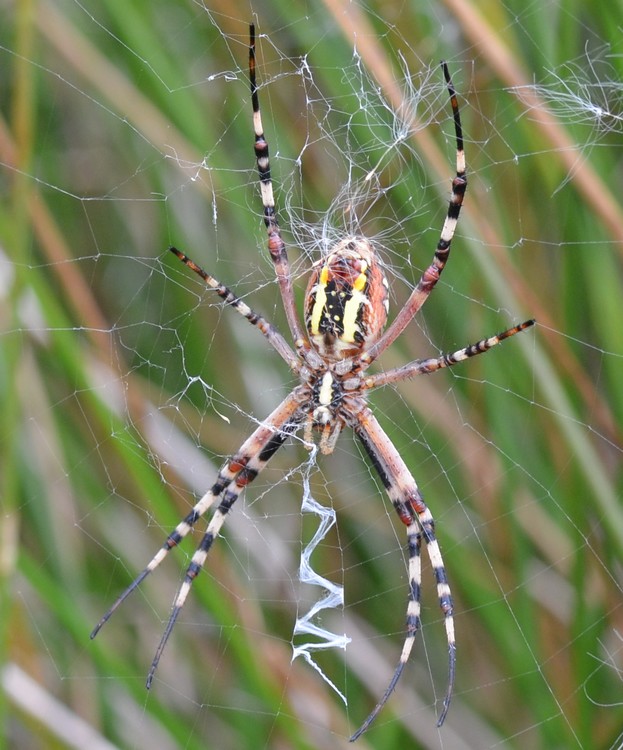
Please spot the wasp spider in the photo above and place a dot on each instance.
(346, 306)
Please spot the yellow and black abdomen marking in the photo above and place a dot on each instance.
(346, 300)
(337, 307)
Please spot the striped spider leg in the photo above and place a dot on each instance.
(240, 470)
(345, 312)
(412, 510)
(232, 479)
(276, 245)
(432, 364)
(431, 275)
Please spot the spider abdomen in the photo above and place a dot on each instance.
(346, 300)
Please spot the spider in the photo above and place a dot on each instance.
(345, 312)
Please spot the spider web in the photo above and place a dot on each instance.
(333, 595)
(127, 385)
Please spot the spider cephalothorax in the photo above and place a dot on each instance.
(345, 315)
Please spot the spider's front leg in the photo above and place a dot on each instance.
(234, 476)
(413, 512)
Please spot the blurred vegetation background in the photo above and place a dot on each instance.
(126, 127)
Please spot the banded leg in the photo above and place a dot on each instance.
(413, 512)
(239, 472)
(276, 245)
(431, 275)
(424, 366)
(275, 339)
(245, 476)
